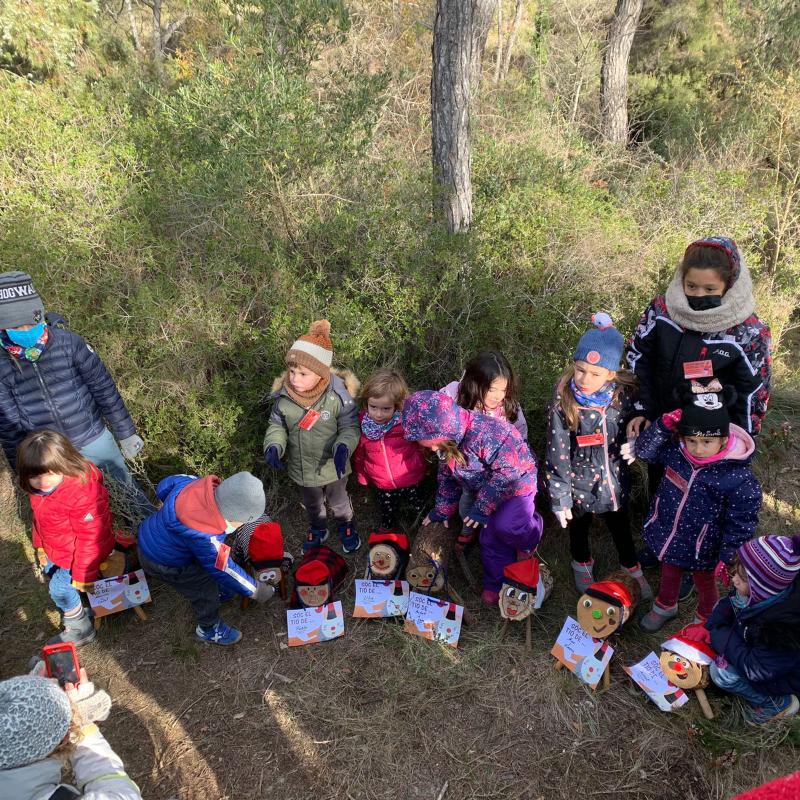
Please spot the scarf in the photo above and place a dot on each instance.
(306, 399)
(599, 399)
(702, 462)
(737, 305)
(375, 430)
(27, 353)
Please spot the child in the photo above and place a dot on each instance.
(384, 457)
(314, 426)
(183, 544)
(40, 726)
(488, 462)
(72, 530)
(584, 468)
(707, 503)
(489, 385)
(705, 326)
(756, 629)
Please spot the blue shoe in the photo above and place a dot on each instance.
(221, 633)
(783, 708)
(314, 538)
(351, 541)
(687, 586)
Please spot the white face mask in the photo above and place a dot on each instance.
(230, 527)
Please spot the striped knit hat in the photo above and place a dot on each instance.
(771, 563)
(314, 350)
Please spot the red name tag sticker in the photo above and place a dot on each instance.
(673, 477)
(698, 369)
(309, 420)
(590, 440)
(223, 554)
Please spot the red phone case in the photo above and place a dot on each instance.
(53, 650)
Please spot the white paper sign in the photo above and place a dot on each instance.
(376, 599)
(434, 619)
(650, 677)
(580, 653)
(312, 625)
(111, 595)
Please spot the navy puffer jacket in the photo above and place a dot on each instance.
(699, 515)
(762, 644)
(68, 390)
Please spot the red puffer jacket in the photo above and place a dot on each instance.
(72, 525)
(391, 462)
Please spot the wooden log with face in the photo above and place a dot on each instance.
(318, 577)
(685, 662)
(269, 560)
(526, 584)
(429, 558)
(388, 555)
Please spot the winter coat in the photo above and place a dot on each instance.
(498, 465)
(391, 462)
(700, 515)
(589, 477)
(451, 390)
(97, 770)
(309, 453)
(72, 524)
(188, 529)
(68, 390)
(740, 356)
(762, 645)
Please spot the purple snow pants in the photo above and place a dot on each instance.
(516, 525)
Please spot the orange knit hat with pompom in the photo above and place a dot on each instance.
(314, 349)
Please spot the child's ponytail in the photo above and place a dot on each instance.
(448, 451)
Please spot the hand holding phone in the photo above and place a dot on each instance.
(61, 662)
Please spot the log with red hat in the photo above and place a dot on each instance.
(685, 659)
(318, 577)
(388, 555)
(526, 585)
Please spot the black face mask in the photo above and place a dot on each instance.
(704, 302)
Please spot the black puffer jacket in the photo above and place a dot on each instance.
(582, 475)
(68, 390)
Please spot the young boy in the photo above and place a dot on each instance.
(314, 426)
(183, 545)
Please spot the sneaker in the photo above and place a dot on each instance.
(351, 541)
(647, 558)
(637, 574)
(314, 538)
(784, 708)
(657, 617)
(221, 633)
(78, 630)
(687, 586)
(582, 573)
(489, 597)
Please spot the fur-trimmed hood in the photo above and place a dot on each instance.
(348, 378)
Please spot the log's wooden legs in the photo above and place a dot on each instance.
(139, 611)
(469, 617)
(98, 621)
(528, 633)
(558, 664)
(504, 629)
(704, 704)
(462, 562)
(606, 679)
(284, 587)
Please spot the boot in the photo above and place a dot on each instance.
(348, 533)
(637, 574)
(582, 573)
(657, 617)
(78, 629)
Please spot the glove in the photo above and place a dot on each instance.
(132, 446)
(272, 458)
(94, 705)
(264, 592)
(721, 574)
(563, 516)
(627, 451)
(340, 459)
(697, 632)
(671, 419)
(474, 516)
(434, 516)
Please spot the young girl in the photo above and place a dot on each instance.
(586, 475)
(707, 503)
(314, 426)
(756, 629)
(488, 462)
(384, 457)
(489, 385)
(72, 530)
(705, 326)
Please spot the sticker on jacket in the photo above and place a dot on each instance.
(698, 369)
(590, 440)
(309, 420)
(676, 479)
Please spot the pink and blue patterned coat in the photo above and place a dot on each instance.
(499, 465)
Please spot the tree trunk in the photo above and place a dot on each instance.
(158, 45)
(459, 36)
(614, 72)
(498, 62)
(512, 36)
(134, 27)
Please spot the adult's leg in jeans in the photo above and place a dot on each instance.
(339, 500)
(730, 680)
(62, 592)
(619, 524)
(579, 538)
(194, 583)
(707, 594)
(670, 585)
(314, 504)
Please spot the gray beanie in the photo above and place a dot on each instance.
(34, 717)
(240, 498)
(19, 302)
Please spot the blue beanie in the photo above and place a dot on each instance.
(602, 345)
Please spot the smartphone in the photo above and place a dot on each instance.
(61, 661)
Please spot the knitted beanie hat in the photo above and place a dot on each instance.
(265, 547)
(240, 498)
(35, 715)
(602, 345)
(314, 350)
(772, 563)
(312, 573)
(19, 302)
(705, 413)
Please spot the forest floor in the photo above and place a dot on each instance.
(382, 714)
